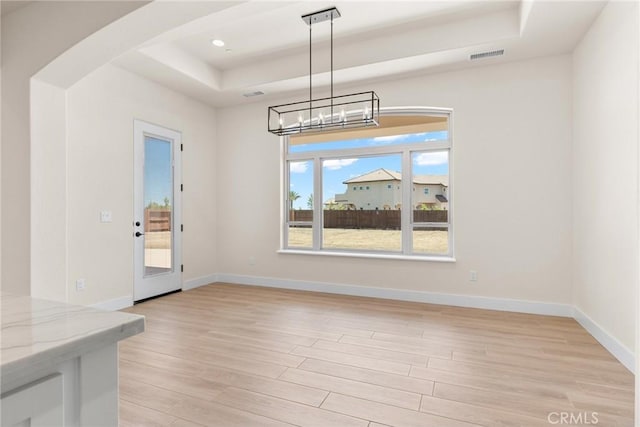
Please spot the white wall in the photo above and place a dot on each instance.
(48, 263)
(605, 171)
(58, 42)
(101, 110)
(31, 38)
(512, 153)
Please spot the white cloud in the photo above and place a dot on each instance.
(298, 167)
(335, 164)
(380, 140)
(431, 159)
(390, 138)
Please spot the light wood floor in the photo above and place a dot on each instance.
(227, 355)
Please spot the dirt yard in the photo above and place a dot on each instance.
(432, 242)
(428, 242)
(157, 240)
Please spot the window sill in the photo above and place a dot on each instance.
(431, 258)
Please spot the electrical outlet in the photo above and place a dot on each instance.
(252, 260)
(105, 216)
(80, 285)
(473, 276)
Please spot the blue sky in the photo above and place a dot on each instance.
(336, 171)
(157, 170)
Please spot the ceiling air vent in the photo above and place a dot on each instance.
(252, 94)
(489, 54)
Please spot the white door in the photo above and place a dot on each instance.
(157, 219)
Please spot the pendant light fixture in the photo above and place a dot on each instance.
(354, 110)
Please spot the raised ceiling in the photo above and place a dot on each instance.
(7, 7)
(266, 43)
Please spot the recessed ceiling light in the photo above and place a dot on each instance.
(217, 42)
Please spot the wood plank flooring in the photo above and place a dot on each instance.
(228, 355)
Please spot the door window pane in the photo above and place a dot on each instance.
(158, 202)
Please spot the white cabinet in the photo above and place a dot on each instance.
(37, 404)
(59, 363)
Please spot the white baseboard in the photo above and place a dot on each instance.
(114, 304)
(615, 347)
(488, 303)
(124, 302)
(199, 281)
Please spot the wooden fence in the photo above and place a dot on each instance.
(160, 219)
(380, 220)
(157, 220)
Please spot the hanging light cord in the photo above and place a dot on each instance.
(310, 74)
(331, 67)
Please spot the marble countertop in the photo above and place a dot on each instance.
(36, 334)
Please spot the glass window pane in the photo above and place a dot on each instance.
(393, 130)
(158, 199)
(360, 211)
(430, 188)
(301, 191)
(431, 240)
(300, 204)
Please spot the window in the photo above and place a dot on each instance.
(411, 149)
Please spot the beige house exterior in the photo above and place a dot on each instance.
(381, 190)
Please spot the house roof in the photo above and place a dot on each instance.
(376, 175)
(387, 175)
(431, 179)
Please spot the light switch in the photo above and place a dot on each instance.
(105, 216)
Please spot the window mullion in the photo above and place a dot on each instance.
(284, 179)
(317, 204)
(405, 212)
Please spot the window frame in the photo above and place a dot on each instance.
(407, 224)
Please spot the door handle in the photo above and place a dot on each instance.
(138, 234)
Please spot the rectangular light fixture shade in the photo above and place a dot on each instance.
(355, 110)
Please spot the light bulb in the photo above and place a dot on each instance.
(343, 118)
(300, 119)
(320, 119)
(281, 122)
